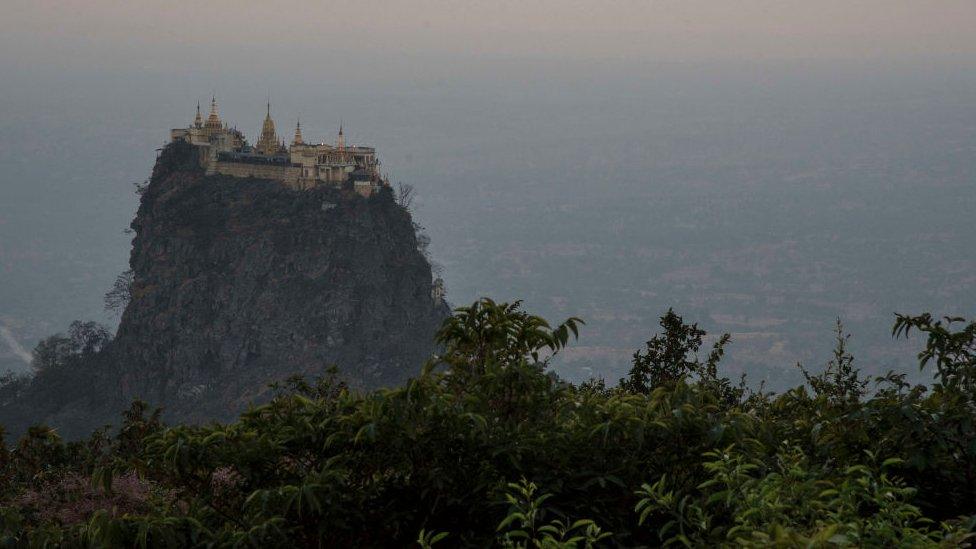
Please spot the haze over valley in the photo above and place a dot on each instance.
(764, 170)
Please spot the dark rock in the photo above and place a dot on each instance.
(242, 282)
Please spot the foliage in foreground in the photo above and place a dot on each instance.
(487, 447)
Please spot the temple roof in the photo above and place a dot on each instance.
(213, 121)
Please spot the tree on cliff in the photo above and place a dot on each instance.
(83, 340)
(118, 297)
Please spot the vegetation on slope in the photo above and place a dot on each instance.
(487, 447)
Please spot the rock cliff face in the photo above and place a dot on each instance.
(241, 282)
(238, 283)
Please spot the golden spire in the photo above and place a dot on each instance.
(213, 121)
(268, 144)
(198, 120)
(298, 134)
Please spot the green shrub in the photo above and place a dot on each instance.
(486, 446)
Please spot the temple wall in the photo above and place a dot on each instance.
(289, 175)
(364, 188)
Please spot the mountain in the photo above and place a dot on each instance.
(237, 283)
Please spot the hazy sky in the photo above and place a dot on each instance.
(161, 34)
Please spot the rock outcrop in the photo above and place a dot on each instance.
(238, 283)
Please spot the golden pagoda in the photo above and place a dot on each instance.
(268, 144)
(213, 126)
(297, 140)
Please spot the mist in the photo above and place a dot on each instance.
(764, 170)
(15, 347)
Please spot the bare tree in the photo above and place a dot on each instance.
(405, 195)
(118, 297)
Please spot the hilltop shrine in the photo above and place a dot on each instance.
(300, 165)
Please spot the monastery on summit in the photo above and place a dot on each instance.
(301, 165)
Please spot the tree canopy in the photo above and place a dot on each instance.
(488, 446)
